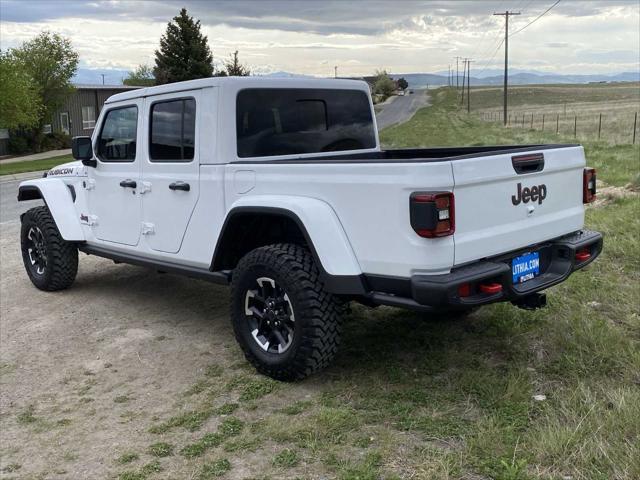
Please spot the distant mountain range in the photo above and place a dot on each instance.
(489, 77)
(94, 76)
(518, 78)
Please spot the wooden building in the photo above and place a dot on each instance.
(77, 117)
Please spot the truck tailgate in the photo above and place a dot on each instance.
(498, 210)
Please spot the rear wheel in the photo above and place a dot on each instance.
(286, 323)
(50, 261)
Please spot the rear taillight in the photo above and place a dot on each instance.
(432, 214)
(589, 185)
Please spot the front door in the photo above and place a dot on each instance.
(170, 171)
(64, 122)
(114, 184)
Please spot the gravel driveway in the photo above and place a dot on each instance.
(85, 373)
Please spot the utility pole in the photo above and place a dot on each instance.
(449, 77)
(102, 78)
(506, 16)
(468, 85)
(457, 74)
(335, 72)
(464, 72)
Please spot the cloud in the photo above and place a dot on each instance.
(312, 36)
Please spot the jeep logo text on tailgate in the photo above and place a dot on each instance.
(526, 194)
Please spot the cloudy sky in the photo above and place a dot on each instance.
(358, 36)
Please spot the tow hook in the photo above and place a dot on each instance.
(531, 302)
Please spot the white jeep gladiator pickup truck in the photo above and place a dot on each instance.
(280, 188)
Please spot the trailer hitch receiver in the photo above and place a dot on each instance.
(532, 301)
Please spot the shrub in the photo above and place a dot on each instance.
(56, 141)
(18, 144)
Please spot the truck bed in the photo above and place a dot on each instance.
(370, 192)
(415, 155)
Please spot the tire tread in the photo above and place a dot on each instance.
(322, 311)
(62, 256)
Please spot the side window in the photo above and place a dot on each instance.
(117, 141)
(172, 131)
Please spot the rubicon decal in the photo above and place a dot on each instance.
(60, 171)
(537, 193)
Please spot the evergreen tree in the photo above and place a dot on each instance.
(184, 53)
(235, 68)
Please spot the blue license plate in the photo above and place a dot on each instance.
(525, 267)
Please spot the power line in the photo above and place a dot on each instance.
(486, 64)
(535, 19)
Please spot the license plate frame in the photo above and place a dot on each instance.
(525, 267)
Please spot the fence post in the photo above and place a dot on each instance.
(557, 123)
(543, 122)
(575, 126)
(509, 123)
(635, 124)
(523, 120)
(599, 126)
(531, 126)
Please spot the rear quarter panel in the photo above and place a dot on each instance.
(371, 201)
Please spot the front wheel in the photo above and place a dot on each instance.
(50, 261)
(285, 322)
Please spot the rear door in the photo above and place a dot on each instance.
(170, 172)
(509, 201)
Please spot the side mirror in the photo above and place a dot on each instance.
(82, 150)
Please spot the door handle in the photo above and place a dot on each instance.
(185, 187)
(128, 183)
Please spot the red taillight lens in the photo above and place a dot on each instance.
(589, 185)
(583, 255)
(464, 290)
(432, 214)
(490, 288)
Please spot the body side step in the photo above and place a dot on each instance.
(222, 277)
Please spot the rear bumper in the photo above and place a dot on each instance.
(428, 292)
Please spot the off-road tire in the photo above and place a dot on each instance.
(61, 256)
(318, 314)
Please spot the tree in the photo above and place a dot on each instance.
(19, 100)
(402, 83)
(142, 76)
(50, 61)
(383, 85)
(235, 68)
(184, 53)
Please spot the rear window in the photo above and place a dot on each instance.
(172, 130)
(271, 121)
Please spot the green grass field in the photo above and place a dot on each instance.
(585, 109)
(33, 165)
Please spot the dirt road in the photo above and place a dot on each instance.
(87, 372)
